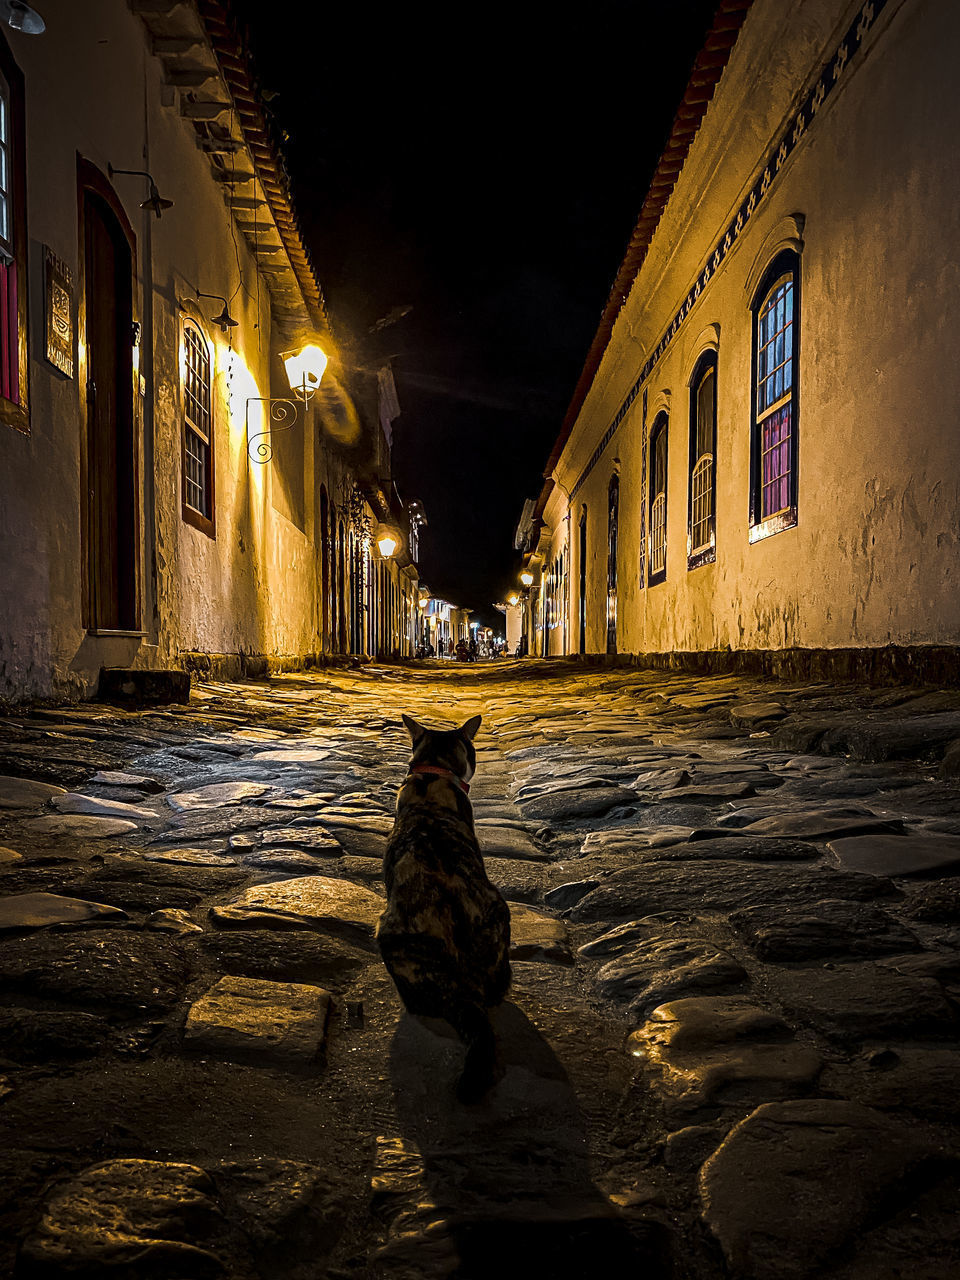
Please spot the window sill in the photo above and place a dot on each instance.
(775, 524)
(198, 521)
(117, 634)
(656, 578)
(700, 558)
(14, 415)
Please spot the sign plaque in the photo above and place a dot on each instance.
(58, 307)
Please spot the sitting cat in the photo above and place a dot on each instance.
(445, 934)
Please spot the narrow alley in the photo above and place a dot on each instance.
(735, 937)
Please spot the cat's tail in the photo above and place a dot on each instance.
(472, 1025)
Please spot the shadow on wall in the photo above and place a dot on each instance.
(501, 1189)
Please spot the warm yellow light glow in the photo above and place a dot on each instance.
(304, 369)
(526, 578)
(386, 545)
(514, 599)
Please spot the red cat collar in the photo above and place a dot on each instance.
(443, 773)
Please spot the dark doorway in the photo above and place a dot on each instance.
(324, 570)
(583, 581)
(613, 517)
(341, 592)
(111, 523)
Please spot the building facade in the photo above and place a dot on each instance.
(761, 453)
(166, 498)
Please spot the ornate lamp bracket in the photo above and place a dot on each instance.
(282, 415)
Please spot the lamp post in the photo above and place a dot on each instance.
(304, 369)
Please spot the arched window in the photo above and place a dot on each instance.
(702, 486)
(658, 500)
(773, 454)
(197, 430)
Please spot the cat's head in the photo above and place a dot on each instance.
(449, 748)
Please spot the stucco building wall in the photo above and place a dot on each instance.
(94, 90)
(872, 559)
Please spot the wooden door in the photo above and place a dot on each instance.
(583, 581)
(112, 508)
(613, 518)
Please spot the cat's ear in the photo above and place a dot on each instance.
(469, 730)
(416, 731)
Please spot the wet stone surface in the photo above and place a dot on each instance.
(736, 971)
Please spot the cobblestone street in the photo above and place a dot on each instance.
(730, 1048)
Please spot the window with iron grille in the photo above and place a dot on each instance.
(701, 520)
(657, 558)
(13, 246)
(197, 430)
(773, 499)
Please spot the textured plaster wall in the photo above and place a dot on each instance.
(92, 88)
(873, 559)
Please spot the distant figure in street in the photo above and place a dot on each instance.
(450, 648)
(473, 648)
(445, 933)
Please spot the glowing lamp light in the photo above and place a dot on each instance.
(526, 578)
(387, 545)
(513, 599)
(304, 369)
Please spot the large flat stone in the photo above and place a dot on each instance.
(112, 967)
(537, 936)
(832, 927)
(863, 1001)
(666, 967)
(293, 756)
(772, 1195)
(128, 781)
(317, 902)
(79, 826)
(128, 1218)
(903, 1077)
(314, 839)
(217, 794)
(285, 956)
(508, 842)
(712, 843)
(705, 1050)
(565, 806)
(22, 911)
(24, 793)
(814, 825)
(907, 855)
(250, 1018)
(77, 802)
(720, 885)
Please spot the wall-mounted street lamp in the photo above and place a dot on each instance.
(387, 542)
(526, 578)
(513, 598)
(155, 200)
(304, 369)
(225, 320)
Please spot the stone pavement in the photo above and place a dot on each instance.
(731, 1045)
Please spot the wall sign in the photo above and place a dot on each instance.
(58, 311)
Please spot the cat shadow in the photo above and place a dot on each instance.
(510, 1176)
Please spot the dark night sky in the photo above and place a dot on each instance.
(484, 165)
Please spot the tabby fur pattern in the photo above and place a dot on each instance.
(445, 934)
